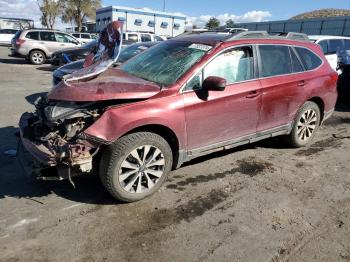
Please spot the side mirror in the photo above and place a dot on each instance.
(214, 83)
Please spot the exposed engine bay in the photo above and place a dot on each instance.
(53, 134)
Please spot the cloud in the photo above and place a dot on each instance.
(20, 9)
(251, 16)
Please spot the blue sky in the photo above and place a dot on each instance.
(282, 9)
(198, 11)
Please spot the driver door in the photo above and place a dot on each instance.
(218, 116)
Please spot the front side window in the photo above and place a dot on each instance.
(335, 45)
(166, 62)
(235, 65)
(275, 60)
(64, 38)
(48, 36)
(309, 59)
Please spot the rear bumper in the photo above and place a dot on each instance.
(14, 53)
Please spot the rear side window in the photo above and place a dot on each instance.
(296, 65)
(33, 35)
(335, 45)
(145, 38)
(309, 59)
(47, 36)
(275, 60)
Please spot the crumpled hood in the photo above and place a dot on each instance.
(112, 84)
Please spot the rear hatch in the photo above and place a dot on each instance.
(14, 39)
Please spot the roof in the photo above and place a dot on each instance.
(207, 38)
(319, 37)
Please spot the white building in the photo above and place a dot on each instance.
(139, 20)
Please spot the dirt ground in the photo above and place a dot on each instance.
(262, 202)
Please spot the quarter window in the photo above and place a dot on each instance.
(275, 60)
(309, 59)
(235, 65)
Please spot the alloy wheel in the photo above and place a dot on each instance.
(38, 58)
(141, 169)
(307, 125)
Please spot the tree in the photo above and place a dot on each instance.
(230, 23)
(213, 23)
(78, 10)
(50, 10)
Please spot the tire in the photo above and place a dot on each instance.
(37, 57)
(301, 134)
(129, 176)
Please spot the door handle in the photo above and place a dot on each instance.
(252, 94)
(301, 83)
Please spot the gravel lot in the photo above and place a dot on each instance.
(262, 202)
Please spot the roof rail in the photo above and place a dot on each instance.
(248, 34)
(297, 36)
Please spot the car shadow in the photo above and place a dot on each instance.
(15, 183)
(47, 68)
(14, 61)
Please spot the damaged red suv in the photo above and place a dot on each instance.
(181, 99)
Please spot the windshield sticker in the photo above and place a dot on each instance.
(200, 47)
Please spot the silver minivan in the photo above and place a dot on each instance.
(37, 45)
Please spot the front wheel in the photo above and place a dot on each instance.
(305, 125)
(135, 166)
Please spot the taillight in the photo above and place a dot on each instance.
(19, 41)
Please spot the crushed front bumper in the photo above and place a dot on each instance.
(40, 161)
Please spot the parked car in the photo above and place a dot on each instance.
(136, 37)
(69, 55)
(38, 45)
(6, 36)
(84, 37)
(184, 98)
(125, 54)
(330, 46)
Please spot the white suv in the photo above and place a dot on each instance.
(136, 37)
(330, 46)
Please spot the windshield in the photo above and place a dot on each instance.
(165, 63)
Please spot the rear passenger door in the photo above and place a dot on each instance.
(282, 81)
(48, 42)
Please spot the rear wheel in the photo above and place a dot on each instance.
(37, 57)
(135, 166)
(305, 125)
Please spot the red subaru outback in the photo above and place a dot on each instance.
(183, 98)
